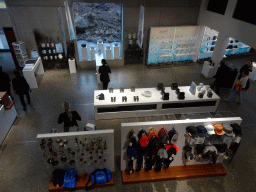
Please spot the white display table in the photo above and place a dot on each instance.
(207, 70)
(252, 74)
(33, 66)
(7, 117)
(72, 65)
(105, 109)
(98, 59)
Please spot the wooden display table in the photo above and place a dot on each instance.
(175, 173)
(80, 184)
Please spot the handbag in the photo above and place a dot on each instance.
(100, 176)
(70, 178)
(238, 86)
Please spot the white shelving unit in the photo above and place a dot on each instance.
(20, 52)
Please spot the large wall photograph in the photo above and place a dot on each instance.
(96, 22)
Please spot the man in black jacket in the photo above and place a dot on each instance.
(104, 70)
(220, 76)
(21, 88)
(5, 82)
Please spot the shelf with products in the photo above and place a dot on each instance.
(173, 135)
(165, 55)
(184, 54)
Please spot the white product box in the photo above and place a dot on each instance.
(90, 127)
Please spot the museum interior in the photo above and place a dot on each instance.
(167, 120)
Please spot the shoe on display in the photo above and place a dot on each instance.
(226, 100)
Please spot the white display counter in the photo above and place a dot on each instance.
(252, 74)
(105, 109)
(207, 70)
(7, 117)
(72, 65)
(33, 66)
(98, 59)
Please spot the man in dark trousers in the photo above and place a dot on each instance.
(5, 82)
(220, 76)
(21, 88)
(104, 70)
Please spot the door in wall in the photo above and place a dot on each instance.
(6, 56)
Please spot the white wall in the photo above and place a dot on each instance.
(226, 25)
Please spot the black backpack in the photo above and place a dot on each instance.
(58, 177)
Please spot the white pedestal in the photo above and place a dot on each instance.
(207, 70)
(7, 117)
(116, 52)
(72, 65)
(29, 72)
(100, 47)
(252, 74)
(98, 59)
(93, 53)
(84, 53)
(108, 53)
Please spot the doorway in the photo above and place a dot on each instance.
(7, 55)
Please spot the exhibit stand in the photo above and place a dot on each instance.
(72, 65)
(98, 59)
(187, 161)
(8, 115)
(84, 151)
(33, 67)
(208, 71)
(115, 106)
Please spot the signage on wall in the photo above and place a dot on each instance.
(141, 27)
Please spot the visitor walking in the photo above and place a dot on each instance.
(21, 88)
(104, 70)
(5, 82)
(239, 87)
(220, 77)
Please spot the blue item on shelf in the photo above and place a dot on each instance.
(100, 176)
(70, 178)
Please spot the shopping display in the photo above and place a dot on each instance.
(171, 44)
(159, 100)
(84, 151)
(158, 146)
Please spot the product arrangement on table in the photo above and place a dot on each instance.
(158, 147)
(124, 103)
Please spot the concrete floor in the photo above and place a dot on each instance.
(23, 169)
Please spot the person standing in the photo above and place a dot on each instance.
(21, 88)
(239, 87)
(68, 117)
(5, 82)
(220, 76)
(247, 66)
(104, 70)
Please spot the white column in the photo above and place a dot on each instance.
(219, 50)
(198, 43)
